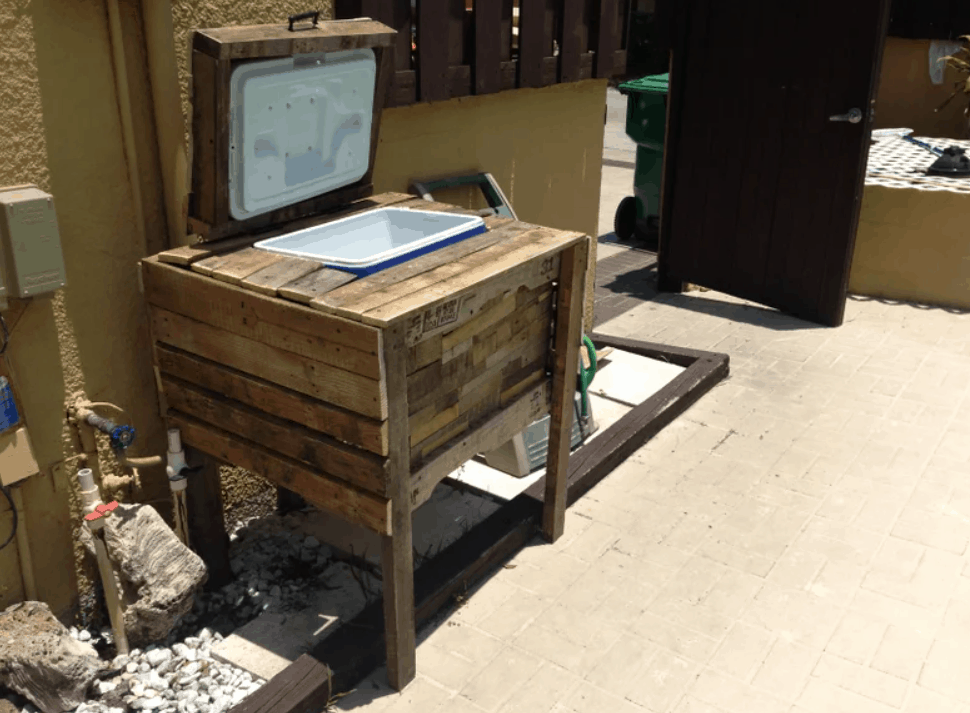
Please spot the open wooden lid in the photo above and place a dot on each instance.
(285, 121)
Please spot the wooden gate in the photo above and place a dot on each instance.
(761, 185)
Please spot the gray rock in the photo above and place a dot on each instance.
(150, 704)
(132, 667)
(144, 667)
(119, 661)
(84, 635)
(275, 591)
(40, 660)
(159, 574)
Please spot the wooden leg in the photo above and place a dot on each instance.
(207, 524)
(397, 561)
(287, 501)
(569, 330)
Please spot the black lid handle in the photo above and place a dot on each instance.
(312, 14)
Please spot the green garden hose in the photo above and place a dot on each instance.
(586, 375)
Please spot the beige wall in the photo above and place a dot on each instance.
(912, 245)
(906, 98)
(544, 147)
(81, 116)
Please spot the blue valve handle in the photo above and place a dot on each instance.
(121, 436)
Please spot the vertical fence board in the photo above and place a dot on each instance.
(605, 39)
(570, 42)
(487, 70)
(433, 51)
(532, 39)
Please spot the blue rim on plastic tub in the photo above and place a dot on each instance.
(377, 239)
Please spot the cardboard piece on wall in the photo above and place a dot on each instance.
(17, 460)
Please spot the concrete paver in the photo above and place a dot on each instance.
(797, 542)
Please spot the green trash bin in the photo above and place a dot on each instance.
(646, 118)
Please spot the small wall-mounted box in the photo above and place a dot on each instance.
(31, 261)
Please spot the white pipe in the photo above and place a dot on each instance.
(178, 483)
(91, 497)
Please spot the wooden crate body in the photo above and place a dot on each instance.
(280, 380)
(215, 53)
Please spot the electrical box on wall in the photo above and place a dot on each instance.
(31, 261)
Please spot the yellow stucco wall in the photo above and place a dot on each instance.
(906, 98)
(62, 117)
(912, 245)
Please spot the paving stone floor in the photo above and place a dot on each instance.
(795, 543)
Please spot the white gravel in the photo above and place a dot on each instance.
(274, 567)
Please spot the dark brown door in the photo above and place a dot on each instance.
(761, 185)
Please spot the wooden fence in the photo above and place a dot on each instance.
(454, 48)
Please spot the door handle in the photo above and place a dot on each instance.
(853, 116)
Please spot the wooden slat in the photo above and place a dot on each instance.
(188, 254)
(487, 436)
(253, 41)
(319, 204)
(432, 33)
(397, 565)
(488, 47)
(203, 137)
(344, 425)
(353, 465)
(220, 87)
(529, 259)
(533, 48)
(382, 287)
(324, 338)
(570, 44)
(271, 278)
(424, 353)
(315, 284)
(569, 328)
(356, 506)
(233, 267)
(606, 39)
(341, 388)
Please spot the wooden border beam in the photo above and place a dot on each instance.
(343, 659)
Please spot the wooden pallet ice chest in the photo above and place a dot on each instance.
(361, 394)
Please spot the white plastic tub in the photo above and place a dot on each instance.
(377, 239)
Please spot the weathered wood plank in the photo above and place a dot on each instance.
(316, 284)
(573, 29)
(467, 255)
(424, 353)
(203, 137)
(569, 329)
(341, 388)
(206, 518)
(269, 279)
(344, 297)
(354, 465)
(454, 300)
(356, 506)
(220, 88)
(291, 405)
(232, 267)
(488, 47)
(326, 339)
(252, 41)
(491, 434)
(397, 565)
